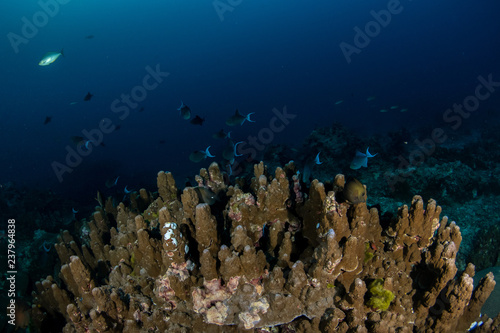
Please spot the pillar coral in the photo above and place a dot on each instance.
(169, 263)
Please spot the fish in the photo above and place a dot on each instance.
(354, 192)
(394, 107)
(89, 36)
(200, 155)
(73, 103)
(185, 111)
(197, 120)
(205, 195)
(371, 98)
(141, 109)
(238, 119)
(50, 57)
(230, 152)
(111, 182)
(222, 135)
(339, 102)
(88, 97)
(383, 110)
(78, 140)
(403, 110)
(316, 159)
(361, 159)
(47, 120)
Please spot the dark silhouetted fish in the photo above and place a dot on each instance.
(88, 97)
(89, 36)
(205, 195)
(185, 111)
(197, 120)
(200, 155)
(222, 135)
(78, 140)
(141, 109)
(238, 119)
(229, 151)
(47, 120)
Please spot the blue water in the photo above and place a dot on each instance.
(254, 56)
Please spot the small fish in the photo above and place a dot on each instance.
(162, 142)
(185, 111)
(394, 107)
(200, 155)
(50, 57)
(403, 110)
(112, 182)
(361, 159)
(222, 135)
(384, 110)
(78, 140)
(89, 36)
(371, 98)
(197, 120)
(238, 119)
(205, 195)
(88, 97)
(141, 109)
(73, 103)
(316, 159)
(339, 102)
(47, 120)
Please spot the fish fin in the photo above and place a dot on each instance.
(365, 163)
(368, 153)
(237, 143)
(207, 152)
(248, 117)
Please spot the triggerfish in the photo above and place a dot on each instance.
(185, 111)
(197, 120)
(361, 159)
(200, 155)
(238, 119)
(50, 57)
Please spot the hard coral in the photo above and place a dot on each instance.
(259, 262)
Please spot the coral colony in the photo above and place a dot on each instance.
(263, 257)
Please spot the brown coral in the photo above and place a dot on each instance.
(260, 262)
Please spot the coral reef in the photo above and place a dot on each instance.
(258, 257)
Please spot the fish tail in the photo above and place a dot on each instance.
(62, 52)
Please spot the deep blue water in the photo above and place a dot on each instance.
(255, 57)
